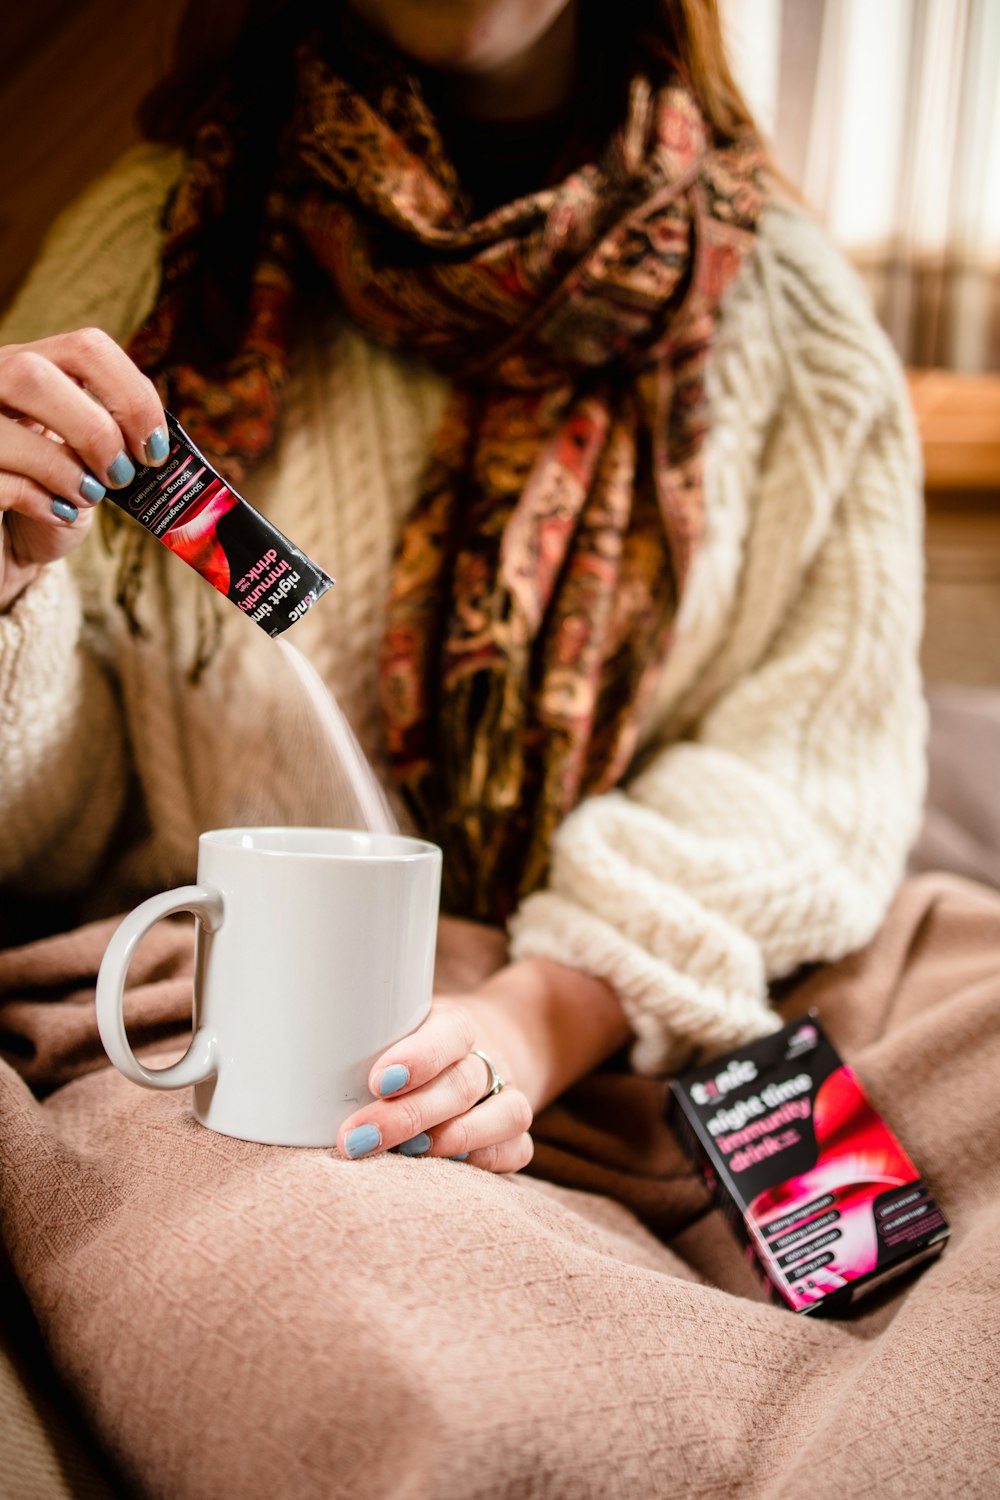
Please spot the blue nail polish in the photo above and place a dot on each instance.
(64, 510)
(122, 471)
(361, 1140)
(417, 1146)
(157, 446)
(393, 1079)
(464, 1157)
(92, 489)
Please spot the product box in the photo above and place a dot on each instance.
(809, 1175)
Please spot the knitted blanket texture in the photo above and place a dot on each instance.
(238, 1319)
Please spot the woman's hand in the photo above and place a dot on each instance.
(542, 1024)
(427, 1089)
(60, 449)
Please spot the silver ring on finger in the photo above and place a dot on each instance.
(496, 1083)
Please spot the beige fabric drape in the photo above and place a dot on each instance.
(887, 117)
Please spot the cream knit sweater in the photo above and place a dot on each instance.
(782, 769)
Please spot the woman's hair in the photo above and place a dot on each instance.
(695, 34)
(250, 43)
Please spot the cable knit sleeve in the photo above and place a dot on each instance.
(99, 263)
(774, 832)
(62, 760)
(63, 756)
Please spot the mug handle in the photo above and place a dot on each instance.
(199, 1061)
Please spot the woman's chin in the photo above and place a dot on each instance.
(462, 36)
(466, 49)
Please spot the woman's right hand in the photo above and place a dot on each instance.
(61, 449)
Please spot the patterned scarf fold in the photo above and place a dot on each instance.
(539, 573)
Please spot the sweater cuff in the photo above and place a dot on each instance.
(674, 1010)
(38, 640)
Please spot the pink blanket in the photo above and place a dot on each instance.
(242, 1320)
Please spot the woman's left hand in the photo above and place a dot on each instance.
(427, 1090)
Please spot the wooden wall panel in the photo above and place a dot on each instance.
(71, 75)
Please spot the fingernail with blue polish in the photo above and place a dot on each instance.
(122, 471)
(92, 489)
(361, 1140)
(464, 1157)
(64, 510)
(393, 1079)
(157, 446)
(417, 1146)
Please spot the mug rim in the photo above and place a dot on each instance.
(405, 848)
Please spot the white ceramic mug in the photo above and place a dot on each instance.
(314, 952)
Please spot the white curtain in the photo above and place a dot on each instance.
(886, 115)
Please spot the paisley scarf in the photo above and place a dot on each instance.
(539, 572)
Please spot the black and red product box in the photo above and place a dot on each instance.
(815, 1184)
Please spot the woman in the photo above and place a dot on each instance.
(481, 277)
(506, 289)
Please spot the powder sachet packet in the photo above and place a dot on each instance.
(812, 1179)
(191, 509)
